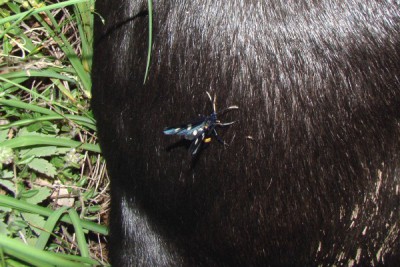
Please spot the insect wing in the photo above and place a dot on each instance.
(195, 146)
(189, 131)
(174, 130)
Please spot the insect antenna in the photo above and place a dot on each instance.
(213, 102)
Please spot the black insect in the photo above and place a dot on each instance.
(202, 130)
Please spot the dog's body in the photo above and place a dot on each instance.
(311, 173)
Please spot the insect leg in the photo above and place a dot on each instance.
(224, 124)
(219, 139)
(228, 109)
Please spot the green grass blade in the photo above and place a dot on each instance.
(83, 260)
(80, 120)
(51, 115)
(48, 73)
(84, 17)
(25, 106)
(8, 88)
(10, 202)
(49, 227)
(80, 236)
(150, 38)
(33, 11)
(62, 41)
(33, 255)
(15, 23)
(32, 107)
(45, 93)
(20, 87)
(34, 140)
(37, 95)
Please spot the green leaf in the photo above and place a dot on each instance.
(42, 194)
(8, 184)
(43, 166)
(49, 127)
(3, 135)
(24, 132)
(43, 151)
(4, 209)
(94, 208)
(34, 127)
(89, 194)
(28, 193)
(38, 151)
(7, 174)
(17, 225)
(23, 141)
(82, 182)
(58, 162)
(25, 160)
(36, 221)
(3, 228)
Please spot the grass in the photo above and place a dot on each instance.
(53, 183)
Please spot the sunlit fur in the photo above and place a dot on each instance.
(311, 173)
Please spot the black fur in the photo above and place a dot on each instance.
(311, 173)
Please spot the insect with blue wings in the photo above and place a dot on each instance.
(203, 130)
